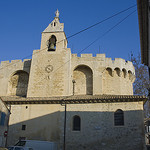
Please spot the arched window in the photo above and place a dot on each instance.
(109, 71)
(52, 43)
(124, 72)
(76, 123)
(117, 70)
(130, 74)
(119, 118)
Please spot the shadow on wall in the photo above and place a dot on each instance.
(83, 77)
(96, 130)
(18, 83)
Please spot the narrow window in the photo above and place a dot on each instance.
(23, 127)
(76, 123)
(2, 121)
(119, 118)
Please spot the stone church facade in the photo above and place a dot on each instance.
(79, 102)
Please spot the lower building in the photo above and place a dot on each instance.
(84, 122)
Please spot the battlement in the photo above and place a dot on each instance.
(108, 62)
(86, 55)
(89, 56)
(120, 64)
(17, 61)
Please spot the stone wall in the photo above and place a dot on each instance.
(52, 73)
(42, 122)
(9, 71)
(4, 125)
(98, 130)
(46, 122)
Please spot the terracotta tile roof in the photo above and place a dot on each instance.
(73, 99)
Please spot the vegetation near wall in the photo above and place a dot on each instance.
(142, 83)
(141, 86)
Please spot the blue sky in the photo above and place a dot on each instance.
(22, 21)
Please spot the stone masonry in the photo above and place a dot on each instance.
(94, 90)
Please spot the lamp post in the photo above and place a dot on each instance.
(73, 81)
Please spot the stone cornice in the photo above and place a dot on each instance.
(84, 99)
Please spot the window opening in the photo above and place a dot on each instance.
(2, 121)
(52, 43)
(23, 127)
(76, 123)
(119, 118)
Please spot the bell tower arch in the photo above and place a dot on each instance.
(53, 37)
(52, 43)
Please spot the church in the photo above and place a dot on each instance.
(80, 103)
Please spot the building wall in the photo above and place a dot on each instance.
(52, 73)
(7, 71)
(42, 122)
(60, 73)
(98, 130)
(4, 117)
(46, 122)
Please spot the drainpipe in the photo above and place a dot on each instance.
(64, 142)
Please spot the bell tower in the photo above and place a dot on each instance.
(53, 37)
(50, 67)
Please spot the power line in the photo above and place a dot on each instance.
(102, 21)
(78, 33)
(109, 30)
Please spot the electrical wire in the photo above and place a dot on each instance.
(116, 14)
(105, 33)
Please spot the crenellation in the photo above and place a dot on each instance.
(16, 61)
(102, 56)
(4, 63)
(108, 61)
(86, 55)
(74, 55)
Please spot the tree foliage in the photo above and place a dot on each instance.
(141, 85)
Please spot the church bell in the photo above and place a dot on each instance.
(51, 47)
(52, 43)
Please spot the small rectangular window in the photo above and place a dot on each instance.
(23, 127)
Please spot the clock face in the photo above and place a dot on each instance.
(49, 68)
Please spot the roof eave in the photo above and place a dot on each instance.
(142, 6)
